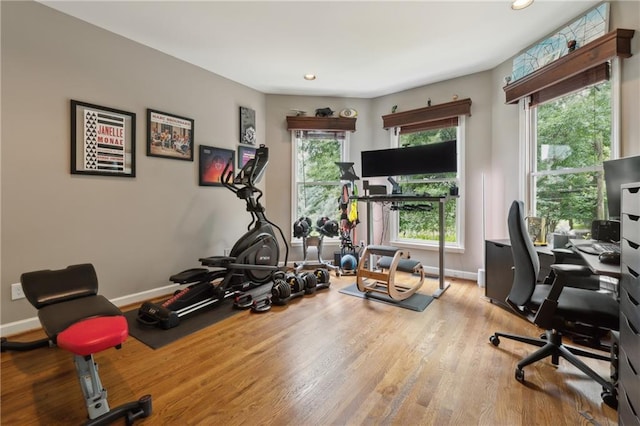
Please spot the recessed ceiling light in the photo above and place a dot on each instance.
(309, 76)
(520, 4)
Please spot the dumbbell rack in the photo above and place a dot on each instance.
(313, 241)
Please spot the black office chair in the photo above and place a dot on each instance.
(554, 307)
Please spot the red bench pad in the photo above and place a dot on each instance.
(94, 335)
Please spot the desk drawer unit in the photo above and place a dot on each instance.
(629, 358)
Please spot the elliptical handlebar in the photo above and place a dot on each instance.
(250, 174)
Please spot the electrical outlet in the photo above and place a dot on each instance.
(16, 291)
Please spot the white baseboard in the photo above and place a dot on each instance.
(432, 271)
(29, 324)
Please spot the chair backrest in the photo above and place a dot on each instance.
(525, 258)
(47, 287)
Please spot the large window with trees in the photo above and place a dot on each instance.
(571, 137)
(317, 186)
(420, 226)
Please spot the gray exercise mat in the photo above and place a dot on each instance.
(417, 302)
(155, 337)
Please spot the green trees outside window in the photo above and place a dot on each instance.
(418, 225)
(317, 178)
(573, 138)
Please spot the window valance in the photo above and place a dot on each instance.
(321, 123)
(582, 67)
(431, 117)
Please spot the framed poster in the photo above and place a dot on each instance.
(247, 126)
(245, 153)
(103, 140)
(169, 136)
(213, 162)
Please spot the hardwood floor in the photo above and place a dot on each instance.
(323, 359)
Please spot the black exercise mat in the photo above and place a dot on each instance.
(417, 302)
(155, 337)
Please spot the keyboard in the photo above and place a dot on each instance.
(598, 247)
(602, 247)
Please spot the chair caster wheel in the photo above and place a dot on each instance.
(520, 375)
(610, 399)
(495, 341)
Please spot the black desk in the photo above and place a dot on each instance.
(594, 263)
(441, 200)
(499, 268)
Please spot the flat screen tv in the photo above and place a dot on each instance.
(616, 173)
(414, 160)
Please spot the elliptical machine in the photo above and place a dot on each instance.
(247, 274)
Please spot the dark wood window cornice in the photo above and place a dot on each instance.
(321, 123)
(435, 114)
(582, 63)
(579, 81)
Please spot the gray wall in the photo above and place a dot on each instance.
(161, 222)
(136, 231)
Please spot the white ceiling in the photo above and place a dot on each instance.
(358, 49)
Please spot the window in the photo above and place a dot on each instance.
(317, 186)
(571, 136)
(419, 226)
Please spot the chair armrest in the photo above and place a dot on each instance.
(545, 314)
(564, 270)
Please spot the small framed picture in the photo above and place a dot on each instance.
(213, 162)
(247, 126)
(169, 136)
(245, 153)
(103, 140)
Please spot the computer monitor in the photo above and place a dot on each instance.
(617, 173)
(414, 160)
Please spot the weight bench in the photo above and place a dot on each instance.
(377, 280)
(77, 319)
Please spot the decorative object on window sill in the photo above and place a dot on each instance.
(247, 126)
(324, 112)
(429, 102)
(394, 109)
(537, 230)
(571, 45)
(299, 112)
(348, 112)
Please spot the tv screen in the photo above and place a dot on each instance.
(616, 173)
(414, 160)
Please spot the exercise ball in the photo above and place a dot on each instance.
(348, 262)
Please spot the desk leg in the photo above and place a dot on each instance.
(442, 285)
